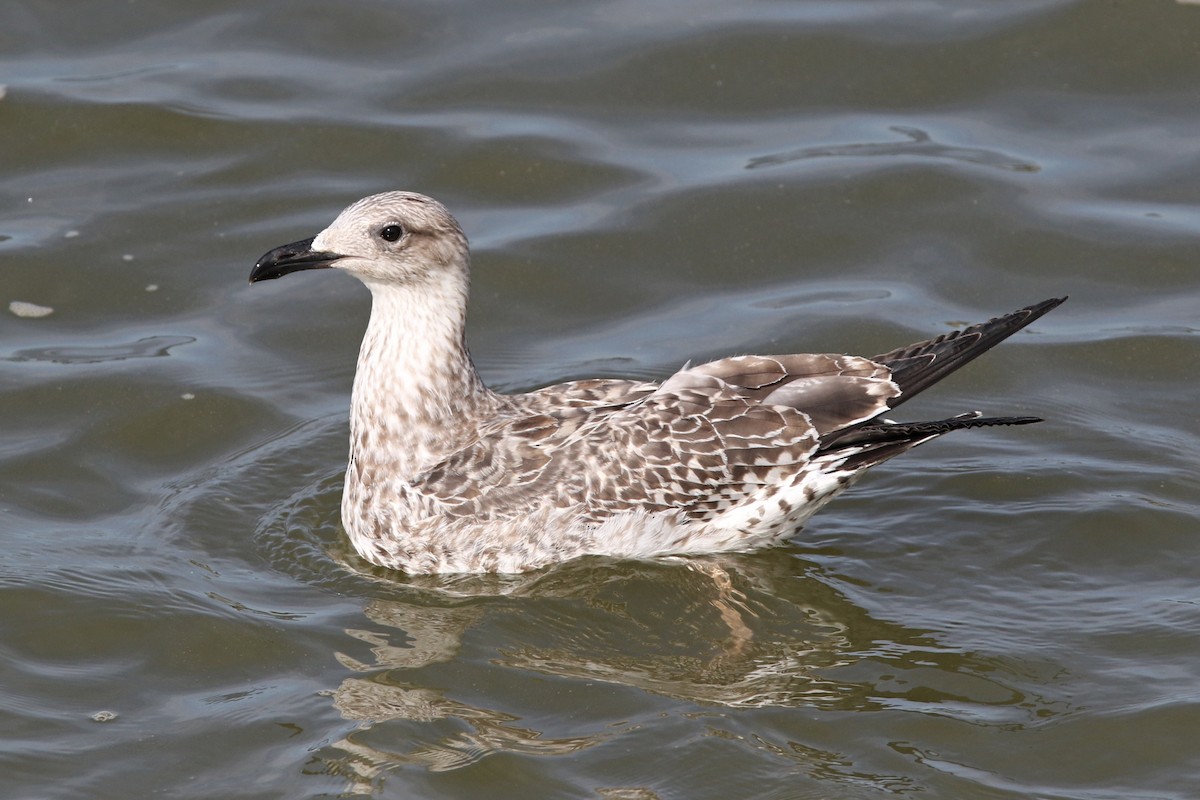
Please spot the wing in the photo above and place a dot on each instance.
(706, 438)
(698, 444)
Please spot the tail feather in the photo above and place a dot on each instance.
(876, 442)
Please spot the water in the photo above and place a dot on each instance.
(1002, 614)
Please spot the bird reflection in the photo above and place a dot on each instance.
(728, 631)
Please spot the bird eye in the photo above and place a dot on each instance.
(391, 233)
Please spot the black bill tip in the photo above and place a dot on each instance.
(290, 258)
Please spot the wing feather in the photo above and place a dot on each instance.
(692, 449)
(834, 391)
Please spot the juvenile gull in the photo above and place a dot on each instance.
(446, 475)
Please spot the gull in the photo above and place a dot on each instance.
(447, 476)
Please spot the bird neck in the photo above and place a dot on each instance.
(415, 389)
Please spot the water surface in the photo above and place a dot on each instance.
(1002, 614)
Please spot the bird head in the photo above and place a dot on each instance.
(389, 239)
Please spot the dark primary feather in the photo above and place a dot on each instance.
(918, 366)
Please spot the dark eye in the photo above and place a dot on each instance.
(391, 233)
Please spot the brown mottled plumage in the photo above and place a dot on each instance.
(446, 475)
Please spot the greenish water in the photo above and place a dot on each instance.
(1002, 614)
